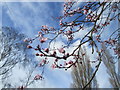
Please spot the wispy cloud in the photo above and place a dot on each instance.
(27, 17)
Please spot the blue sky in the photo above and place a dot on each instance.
(27, 18)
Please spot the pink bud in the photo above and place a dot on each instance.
(85, 11)
(67, 55)
(43, 40)
(56, 60)
(39, 32)
(53, 66)
(70, 37)
(36, 49)
(37, 54)
(37, 77)
(29, 46)
(43, 61)
(65, 63)
(46, 50)
(61, 50)
(54, 53)
(25, 40)
(69, 32)
(70, 62)
(41, 55)
(61, 24)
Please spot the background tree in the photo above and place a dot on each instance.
(14, 55)
(110, 63)
(10, 43)
(82, 72)
(92, 17)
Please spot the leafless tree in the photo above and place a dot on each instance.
(110, 63)
(15, 55)
(82, 72)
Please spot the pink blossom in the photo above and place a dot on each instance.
(43, 40)
(39, 32)
(53, 66)
(71, 23)
(113, 41)
(70, 62)
(36, 49)
(25, 40)
(43, 61)
(69, 32)
(95, 31)
(98, 36)
(40, 64)
(67, 55)
(85, 11)
(70, 37)
(56, 60)
(37, 77)
(61, 50)
(44, 26)
(89, 17)
(65, 63)
(41, 55)
(61, 23)
(53, 54)
(37, 54)
(46, 50)
(29, 46)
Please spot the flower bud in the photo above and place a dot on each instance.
(46, 50)
(29, 46)
(37, 54)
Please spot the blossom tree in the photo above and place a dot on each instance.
(15, 59)
(84, 22)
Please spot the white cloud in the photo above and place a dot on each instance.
(32, 21)
(27, 22)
